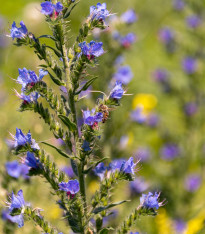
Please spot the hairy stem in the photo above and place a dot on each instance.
(71, 97)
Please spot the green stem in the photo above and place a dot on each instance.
(82, 182)
(71, 97)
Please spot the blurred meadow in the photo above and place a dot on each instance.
(161, 122)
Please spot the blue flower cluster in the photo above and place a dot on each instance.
(28, 77)
(150, 201)
(15, 169)
(92, 117)
(129, 17)
(71, 187)
(123, 75)
(20, 32)
(21, 140)
(17, 203)
(117, 92)
(127, 40)
(99, 12)
(92, 49)
(127, 167)
(48, 8)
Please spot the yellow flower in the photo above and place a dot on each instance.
(195, 224)
(163, 222)
(147, 101)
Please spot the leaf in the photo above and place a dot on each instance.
(55, 51)
(71, 126)
(56, 80)
(43, 65)
(57, 149)
(68, 12)
(95, 165)
(102, 208)
(47, 36)
(86, 85)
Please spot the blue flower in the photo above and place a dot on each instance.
(86, 146)
(190, 108)
(119, 60)
(123, 165)
(15, 170)
(138, 115)
(169, 151)
(20, 139)
(179, 226)
(150, 201)
(189, 65)
(117, 92)
(124, 75)
(5, 215)
(58, 7)
(192, 182)
(166, 35)
(32, 97)
(138, 185)
(99, 12)
(128, 40)
(31, 161)
(100, 170)
(193, 21)
(20, 32)
(143, 154)
(90, 117)
(17, 203)
(129, 17)
(91, 50)
(47, 8)
(129, 166)
(29, 77)
(117, 164)
(72, 187)
(161, 75)
(152, 120)
(178, 5)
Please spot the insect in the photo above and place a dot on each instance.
(105, 110)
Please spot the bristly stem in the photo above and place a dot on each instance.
(71, 97)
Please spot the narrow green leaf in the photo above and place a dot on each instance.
(56, 80)
(86, 85)
(68, 12)
(47, 36)
(58, 150)
(102, 208)
(55, 51)
(71, 126)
